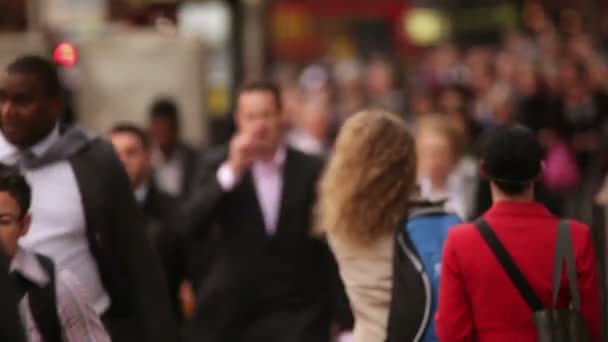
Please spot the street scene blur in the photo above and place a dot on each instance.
(303, 170)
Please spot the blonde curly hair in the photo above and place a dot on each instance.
(366, 187)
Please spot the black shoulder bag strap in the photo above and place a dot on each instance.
(43, 304)
(564, 252)
(509, 266)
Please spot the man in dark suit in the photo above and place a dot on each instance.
(174, 161)
(133, 148)
(271, 279)
(85, 216)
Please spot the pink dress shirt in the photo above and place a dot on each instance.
(268, 181)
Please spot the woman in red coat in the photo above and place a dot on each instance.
(477, 300)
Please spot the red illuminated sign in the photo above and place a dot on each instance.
(65, 54)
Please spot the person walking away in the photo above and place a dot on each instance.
(477, 299)
(364, 195)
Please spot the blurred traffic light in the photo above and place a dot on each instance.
(65, 54)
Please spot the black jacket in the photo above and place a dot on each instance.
(163, 230)
(11, 329)
(260, 287)
(129, 269)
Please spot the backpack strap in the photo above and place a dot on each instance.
(43, 304)
(509, 266)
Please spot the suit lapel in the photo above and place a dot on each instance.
(289, 191)
(251, 202)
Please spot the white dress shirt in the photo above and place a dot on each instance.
(169, 173)
(58, 227)
(141, 193)
(268, 181)
(302, 141)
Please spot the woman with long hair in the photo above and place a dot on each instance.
(364, 195)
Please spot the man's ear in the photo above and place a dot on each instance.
(26, 222)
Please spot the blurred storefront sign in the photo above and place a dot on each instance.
(304, 30)
(301, 30)
(483, 23)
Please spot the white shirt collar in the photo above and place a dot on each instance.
(276, 162)
(8, 150)
(141, 192)
(29, 267)
(159, 158)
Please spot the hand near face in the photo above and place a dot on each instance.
(243, 151)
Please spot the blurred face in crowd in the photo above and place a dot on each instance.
(28, 110)
(379, 79)
(451, 100)
(526, 80)
(134, 155)
(422, 104)
(315, 119)
(163, 130)
(436, 156)
(13, 223)
(292, 102)
(260, 118)
(505, 66)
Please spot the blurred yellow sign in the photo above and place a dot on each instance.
(424, 26)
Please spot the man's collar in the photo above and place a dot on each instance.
(142, 192)
(29, 267)
(40, 148)
(278, 160)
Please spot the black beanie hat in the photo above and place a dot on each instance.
(512, 154)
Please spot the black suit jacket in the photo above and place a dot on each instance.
(129, 268)
(11, 329)
(261, 287)
(190, 164)
(162, 229)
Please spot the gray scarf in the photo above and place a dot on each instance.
(72, 141)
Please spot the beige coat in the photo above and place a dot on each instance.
(367, 275)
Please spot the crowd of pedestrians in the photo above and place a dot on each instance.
(334, 213)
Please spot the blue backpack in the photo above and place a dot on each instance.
(416, 270)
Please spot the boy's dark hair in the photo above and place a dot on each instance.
(40, 67)
(512, 158)
(164, 108)
(265, 86)
(13, 182)
(134, 130)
